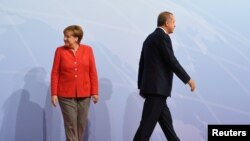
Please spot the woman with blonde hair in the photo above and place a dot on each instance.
(74, 82)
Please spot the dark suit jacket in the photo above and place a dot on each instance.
(157, 65)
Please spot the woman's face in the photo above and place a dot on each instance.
(69, 39)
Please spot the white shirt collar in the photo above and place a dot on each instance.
(163, 29)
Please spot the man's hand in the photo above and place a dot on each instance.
(191, 83)
(142, 95)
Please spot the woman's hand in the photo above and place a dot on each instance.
(95, 98)
(54, 100)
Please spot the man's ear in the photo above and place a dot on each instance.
(166, 24)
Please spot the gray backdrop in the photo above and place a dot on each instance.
(211, 41)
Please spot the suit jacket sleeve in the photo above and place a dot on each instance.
(168, 55)
(140, 72)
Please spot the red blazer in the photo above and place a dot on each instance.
(74, 75)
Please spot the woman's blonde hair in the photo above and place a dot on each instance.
(76, 30)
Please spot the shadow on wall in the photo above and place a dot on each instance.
(29, 120)
(53, 121)
(107, 117)
(99, 126)
(132, 116)
(24, 117)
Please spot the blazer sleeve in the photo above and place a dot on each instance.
(55, 72)
(169, 57)
(93, 74)
(140, 71)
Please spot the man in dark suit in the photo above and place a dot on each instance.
(156, 68)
